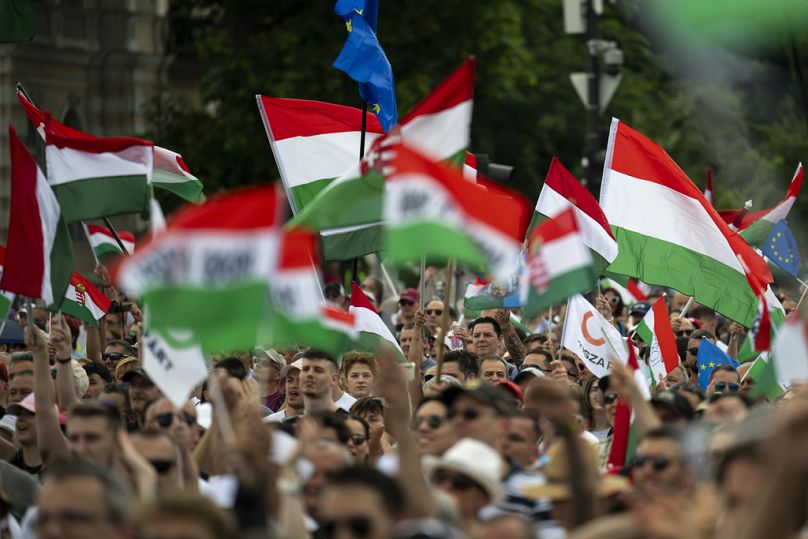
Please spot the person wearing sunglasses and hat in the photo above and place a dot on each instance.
(407, 305)
(659, 463)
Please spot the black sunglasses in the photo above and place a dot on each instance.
(732, 387)
(359, 526)
(406, 302)
(469, 414)
(658, 462)
(358, 439)
(162, 466)
(455, 481)
(682, 333)
(112, 356)
(165, 420)
(432, 421)
(609, 398)
(436, 312)
(693, 351)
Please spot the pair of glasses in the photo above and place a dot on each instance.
(693, 351)
(613, 300)
(609, 398)
(658, 462)
(469, 414)
(436, 312)
(165, 420)
(724, 386)
(455, 481)
(682, 333)
(358, 439)
(358, 525)
(406, 303)
(432, 421)
(162, 466)
(112, 356)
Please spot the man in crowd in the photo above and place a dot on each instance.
(407, 305)
(294, 405)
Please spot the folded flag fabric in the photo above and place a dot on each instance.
(39, 253)
(656, 331)
(348, 211)
(431, 211)
(96, 177)
(757, 341)
(298, 314)
(208, 273)
(175, 367)
(103, 242)
(16, 21)
(708, 357)
(362, 58)
(558, 262)
(668, 235)
(6, 298)
(373, 332)
(630, 290)
(624, 437)
(756, 225)
(591, 337)
(789, 358)
(782, 249)
(561, 191)
(84, 301)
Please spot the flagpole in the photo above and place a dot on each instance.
(422, 283)
(686, 308)
(115, 235)
(563, 330)
(386, 276)
(355, 266)
(444, 323)
(92, 249)
(804, 289)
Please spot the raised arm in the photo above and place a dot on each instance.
(50, 439)
(514, 345)
(65, 385)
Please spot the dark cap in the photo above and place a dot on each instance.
(127, 378)
(674, 402)
(99, 369)
(640, 308)
(484, 393)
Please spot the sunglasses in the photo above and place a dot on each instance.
(658, 462)
(112, 356)
(165, 420)
(455, 481)
(609, 398)
(406, 302)
(432, 421)
(358, 526)
(693, 351)
(358, 439)
(436, 312)
(469, 414)
(682, 333)
(162, 466)
(732, 387)
(613, 299)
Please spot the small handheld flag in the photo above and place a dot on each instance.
(708, 358)
(781, 248)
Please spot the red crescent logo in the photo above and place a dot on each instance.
(585, 331)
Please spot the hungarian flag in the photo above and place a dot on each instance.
(558, 264)
(208, 273)
(95, 177)
(431, 211)
(169, 170)
(103, 242)
(656, 331)
(6, 298)
(631, 293)
(373, 332)
(763, 329)
(298, 314)
(39, 253)
(756, 225)
(83, 300)
(787, 364)
(668, 234)
(624, 437)
(561, 191)
(348, 213)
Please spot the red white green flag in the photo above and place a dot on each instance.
(208, 274)
(84, 301)
(103, 242)
(656, 331)
(373, 332)
(668, 234)
(39, 253)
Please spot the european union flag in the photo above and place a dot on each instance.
(363, 59)
(708, 358)
(781, 248)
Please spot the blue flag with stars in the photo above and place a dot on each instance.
(708, 358)
(781, 248)
(363, 59)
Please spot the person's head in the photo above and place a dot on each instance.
(461, 364)
(233, 366)
(81, 499)
(486, 335)
(318, 374)
(25, 432)
(693, 343)
(615, 301)
(433, 433)
(326, 457)
(658, 463)
(724, 379)
(740, 474)
(360, 502)
(686, 327)
(677, 375)
(477, 411)
(610, 399)
(116, 395)
(371, 409)
(359, 373)
(593, 401)
(727, 407)
(673, 409)
(434, 314)
(183, 516)
(267, 366)
(375, 286)
(141, 388)
(294, 397)
(97, 377)
(747, 382)
(92, 430)
(493, 369)
(539, 359)
(706, 318)
(407, 334)
(408, 302)
(115, 351)
(358, 439)
(20, 387)
(161, 415)
(163, 454)
(691, 391)
(20, 363)
(570, 362)
(522, 439)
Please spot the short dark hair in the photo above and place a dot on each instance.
(425, 334)
(118, 388)
(336, 421)
(725, 368)
(128, 349)
(486, 320)
(386, 487)
(467, 362)
(233, 366)
(97, 368)
(534, 422)
(194, 507)
(362, 420)
(665, 432)
(699, 333)
(313, 353)
(94, 409)
(368, 405)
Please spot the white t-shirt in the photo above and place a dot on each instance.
(345, 401)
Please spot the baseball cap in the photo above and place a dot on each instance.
(509, 387)
(137, 371)
(275, 359)
(640, 308)
(480, 391)
(97, 368)
(29, 404)
(297, 364)
(410, 294)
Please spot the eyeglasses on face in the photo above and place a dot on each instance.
(358, 525)
(682, 333)
(432, 421)
(112, 356)
(165, 420)
(658, 462)
(720, 387)
(693, 351)
(609, 398)
(436, 312)
(406, 303)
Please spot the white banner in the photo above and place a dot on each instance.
(175, 371)
(591, 337)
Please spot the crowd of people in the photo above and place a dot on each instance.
(495, 433)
